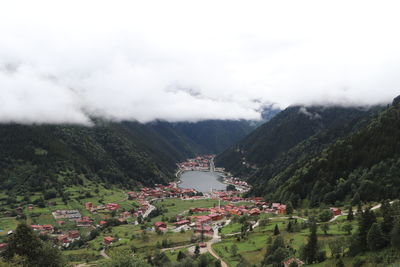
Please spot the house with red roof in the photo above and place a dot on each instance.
(89, 205)
(160, 225)
(63, 239)
(205, 229)
(3, 246)
(287, 262)
(336, 211)
(181, 222)
(254, 212)
(112, 206)
(74, 234)
(108, 240)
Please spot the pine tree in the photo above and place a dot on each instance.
(197, 250)
(26, 244)
(388, 219)
(359, 209)
(340, 263)
(311, 249)
(356, 199)
(325, 228)
(395, 235)
(375, 237)
(289, 227)
(365, 222)
(181, 256)
(276, 230)
(289, 208)
(350, 215)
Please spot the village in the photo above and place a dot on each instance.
(204, 214)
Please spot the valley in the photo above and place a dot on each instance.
(315, 186)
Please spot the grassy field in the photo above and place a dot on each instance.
(253, 247)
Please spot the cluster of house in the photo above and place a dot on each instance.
(200, 163)
(66, 239)
(240, 185)
(201, 223)
(162, 191)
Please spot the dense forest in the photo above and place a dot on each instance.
(273, 140)
(356, 157)
(41, 157)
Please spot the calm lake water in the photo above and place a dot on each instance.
(201, 181)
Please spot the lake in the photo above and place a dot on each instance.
(201, 181)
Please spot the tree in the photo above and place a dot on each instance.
(395, 235)
(337, 246)
(325, 228)
(289, 208)
(276, 230)
(325, 216)
(234, 249)
(350, 215)
(365, 222)
(340, 263)
(347, 227)
(356, 199)
(311, 249)
(181, 256)
(375, 239)
(388, 219)
(26, 244)
(289, 227)
(231, 187)
(197, 250)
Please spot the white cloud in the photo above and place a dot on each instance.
(62, 61)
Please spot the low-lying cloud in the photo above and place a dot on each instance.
(180, 61)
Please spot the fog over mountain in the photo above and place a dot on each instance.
(186, 61)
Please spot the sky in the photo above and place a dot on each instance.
(69, 61)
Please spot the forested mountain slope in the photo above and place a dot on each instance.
(35, 158)
(214, 136)
(39, 157)
(271, 141)
(365, 164)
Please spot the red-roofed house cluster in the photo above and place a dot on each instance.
(200, 163)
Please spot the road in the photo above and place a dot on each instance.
(216, 238)
(149, 210)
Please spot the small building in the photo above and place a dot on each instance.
(204, 229)
(108, 240)
(63, 239)
(336, 211)
(287, 262)
(60, 223)
(48, 227)
(254, 212)
(74, 234)
(182, 222)
(112, 206)
(202, 244)
(3, 246)
(160, 225)
(282, 209)
(102, 223)
(89, 205)
(216, 216)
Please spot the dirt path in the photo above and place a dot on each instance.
(103, 253)
(178, 247)
(215, 255)
(216, 238)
